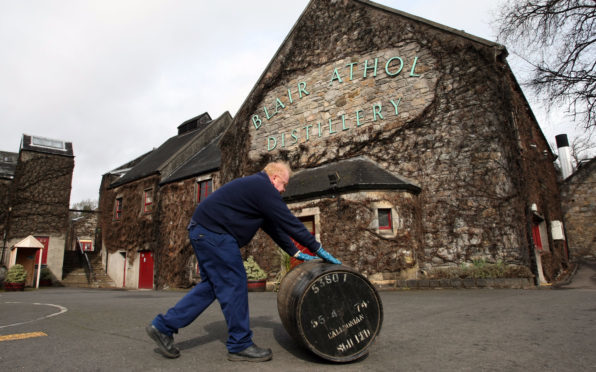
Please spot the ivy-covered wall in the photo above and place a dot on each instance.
(40, 195)
(453, 120)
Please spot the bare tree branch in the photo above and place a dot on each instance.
(558, 38)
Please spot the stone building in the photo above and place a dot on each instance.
(579, 206)
(412, 144)
(8, 164)
(146, 204)
(38, 203)
(356, 87)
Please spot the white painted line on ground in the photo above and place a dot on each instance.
(61, 308)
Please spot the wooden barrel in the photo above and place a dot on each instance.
(330, 309)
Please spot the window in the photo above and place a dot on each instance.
(148, 198)
(118, 209)
(46, 142)
(86, 245)
(385, 222)
(204, 189)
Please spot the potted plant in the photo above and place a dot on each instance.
(15, 278)
(45, 277)
(257, 277)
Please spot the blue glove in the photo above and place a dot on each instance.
(303, 256)
(327, 256)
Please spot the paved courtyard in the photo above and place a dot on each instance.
(71, 329)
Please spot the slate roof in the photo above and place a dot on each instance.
(8, 164)
(152, 162)
(354, 175)
(206, 160)
(126, 167)
(27, 143)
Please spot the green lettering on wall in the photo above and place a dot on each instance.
(377, 112)
(267, 113)
(278, 104)
(269, 146)
(331, 131)
(343, 123)
(358, 117)
(302, 89)
(401, 66)
(395, 105)
(290, 95)
(320, 131)
(307, 129)
(412, 73)
(335, 76)
(295, 136)
(366, 68)
(256, 121)
(283, 140)
(352, 69)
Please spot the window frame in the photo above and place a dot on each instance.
(86, 243)
(208, 190)
(118, 209)
(148, 206)
(389, 225)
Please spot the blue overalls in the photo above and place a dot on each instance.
(223, 278)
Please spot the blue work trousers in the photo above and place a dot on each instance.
(223, 278)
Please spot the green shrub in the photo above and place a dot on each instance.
(253, 270)
(16, 274)
(45, 274)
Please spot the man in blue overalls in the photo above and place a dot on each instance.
(221, 224)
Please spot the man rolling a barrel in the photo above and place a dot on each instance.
(221, 224)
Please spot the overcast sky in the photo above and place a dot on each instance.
(116, 77)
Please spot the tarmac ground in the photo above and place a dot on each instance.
(70, 329)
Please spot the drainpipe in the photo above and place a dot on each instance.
(5, 237)
(564, 155)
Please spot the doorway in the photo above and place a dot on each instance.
(146, 270)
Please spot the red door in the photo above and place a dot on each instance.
(146, 270)
(536, 236)
(309, 223)
(45, 240)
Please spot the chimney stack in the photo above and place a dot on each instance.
(564, 155)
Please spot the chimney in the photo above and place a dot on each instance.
(564, 155)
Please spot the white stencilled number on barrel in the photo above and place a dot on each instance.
(327, 280)
(341, 314)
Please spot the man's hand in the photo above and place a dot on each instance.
(303, 256)
(327, 256)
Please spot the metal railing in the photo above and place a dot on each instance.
(86, 263)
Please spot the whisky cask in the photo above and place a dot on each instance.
(332, 310)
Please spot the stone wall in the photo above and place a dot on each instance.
(40, 195)
(579, 195)
(358, 243)
(459, 130)
(5, 186)
(85, 227)
(135, 230)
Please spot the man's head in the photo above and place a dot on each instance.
(279, 174)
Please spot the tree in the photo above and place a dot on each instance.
(581, 149)
(83, 205)
(558, 39)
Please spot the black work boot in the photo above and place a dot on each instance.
(165, 342)
(253, 353)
